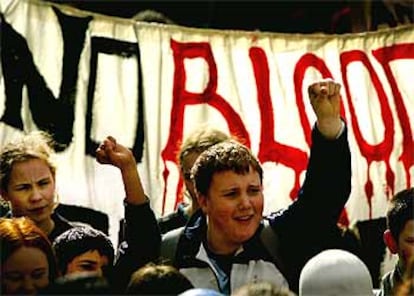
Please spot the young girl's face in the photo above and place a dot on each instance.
(25, 272)
(31, 190)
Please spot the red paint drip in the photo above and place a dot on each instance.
(269, 148)
(381, 151)
(369, 192)
(385, 56)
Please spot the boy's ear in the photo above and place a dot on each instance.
(390, 241)
(202, 201)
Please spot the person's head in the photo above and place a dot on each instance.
(84, 249)
(153, 279)
(27, 176)
(335, 272)
(152, 16)
(27, 260)
(197, 142)
(399, 235)
(262, 289)
(228, 182)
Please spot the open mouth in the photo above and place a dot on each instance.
(245, 218)
(37, 210)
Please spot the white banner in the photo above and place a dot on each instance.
(84, 76)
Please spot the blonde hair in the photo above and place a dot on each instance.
(34, 145)
(200, 140)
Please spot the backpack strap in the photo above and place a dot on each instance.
(271, 242)
(169, 245)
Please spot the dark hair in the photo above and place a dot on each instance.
(79, 240)
(400, 211)
(225, 156)
(23, 232)
(153, 279)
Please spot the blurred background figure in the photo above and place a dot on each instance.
(27, 260)
(335, 272)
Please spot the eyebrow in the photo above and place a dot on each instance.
(44, 178)
(237, 187)
(48, 178)
(232, 188)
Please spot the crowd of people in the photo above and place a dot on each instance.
(217, 243)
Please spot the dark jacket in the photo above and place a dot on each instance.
(61, 225)
(174, 220)
(140, 246)
(391, 280)
(303, 229)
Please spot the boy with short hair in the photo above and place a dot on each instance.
(399, 237)
(84, 249)
(220, 247)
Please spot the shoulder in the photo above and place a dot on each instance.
(174, 220)
(167, 218)
(61, 225)
(387, 283)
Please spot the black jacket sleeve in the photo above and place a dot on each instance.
(309, 224)
(141, 244)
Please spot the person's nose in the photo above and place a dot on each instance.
(36, 195)
(244, 202)
(29, 288)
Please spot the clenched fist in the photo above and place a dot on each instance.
(325, 99)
